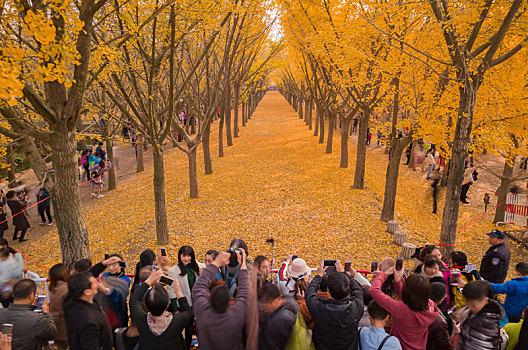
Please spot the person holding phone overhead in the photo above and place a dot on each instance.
(413, 313)
(158, 328)
(335, 319)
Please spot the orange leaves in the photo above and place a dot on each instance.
(276, 181)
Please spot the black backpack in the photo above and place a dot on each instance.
(381, 344)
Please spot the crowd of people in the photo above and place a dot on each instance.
(232, 301)
(94, 165)
(17, 200)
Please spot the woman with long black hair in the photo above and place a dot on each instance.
(186, 271)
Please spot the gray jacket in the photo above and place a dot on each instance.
(31, 330)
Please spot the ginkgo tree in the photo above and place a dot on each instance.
(46, 49)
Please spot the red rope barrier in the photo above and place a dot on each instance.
(471, 223)
(42, 200)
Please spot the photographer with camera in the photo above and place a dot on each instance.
(336, 319)
(158, 328)
(220, 324)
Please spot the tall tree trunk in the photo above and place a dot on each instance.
(506, 180)
(140, 164)
(345, 125)
(221, 135)
(38, 165)
(193, 180)
(330, 137)
(306, 112)
(229, 135)
(244, 120)
(236, 102)
(300, 108)
(66, 198)
(192, 120)
(359, 172)
(11, 165)
(111, 173)
(317, 118)
(310, 114)
(395, 111)
(391, 178)
(321, 127)
(456, 171)
(207, 149)
(162, 231)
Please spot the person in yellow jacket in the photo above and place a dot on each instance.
(459, 262)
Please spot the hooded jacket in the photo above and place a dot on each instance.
(170, 337)
(516, 292)
(336, 321)
(409, 326)
(275, 328)
(481, 331)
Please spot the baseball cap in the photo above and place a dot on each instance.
(497, 234)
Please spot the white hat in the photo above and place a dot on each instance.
(298, 269)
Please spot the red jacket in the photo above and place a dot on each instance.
(409, 326)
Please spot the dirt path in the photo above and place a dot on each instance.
(276, 181)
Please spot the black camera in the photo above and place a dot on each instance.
(233, 250)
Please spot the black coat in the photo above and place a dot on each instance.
(17, 205)
(335, 321)
(275, 329)
(495, 263)
(481, 331)
(88, 328)
(172, 337)
(523, 338)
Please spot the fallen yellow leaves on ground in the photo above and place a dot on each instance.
(276, 181)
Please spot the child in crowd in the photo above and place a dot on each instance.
(438, 335)
(375, 337)
(97, 173)
(516, 292)
(479, 325)
(513, 330)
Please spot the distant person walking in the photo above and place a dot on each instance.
(101, 151)
(44, 206)
(20, 221)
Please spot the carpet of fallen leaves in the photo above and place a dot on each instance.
(276, 181)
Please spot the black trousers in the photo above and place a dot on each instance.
(87, 171)
(22, 234)
(463, 194)
(45, 209)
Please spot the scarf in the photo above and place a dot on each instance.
(159, 324)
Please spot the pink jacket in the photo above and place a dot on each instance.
(409, 326)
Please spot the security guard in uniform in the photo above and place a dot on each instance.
(494, 265)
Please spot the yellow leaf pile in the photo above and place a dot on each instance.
(276, 181)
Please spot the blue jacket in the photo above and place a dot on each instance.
(516, 292)
(371, 338)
